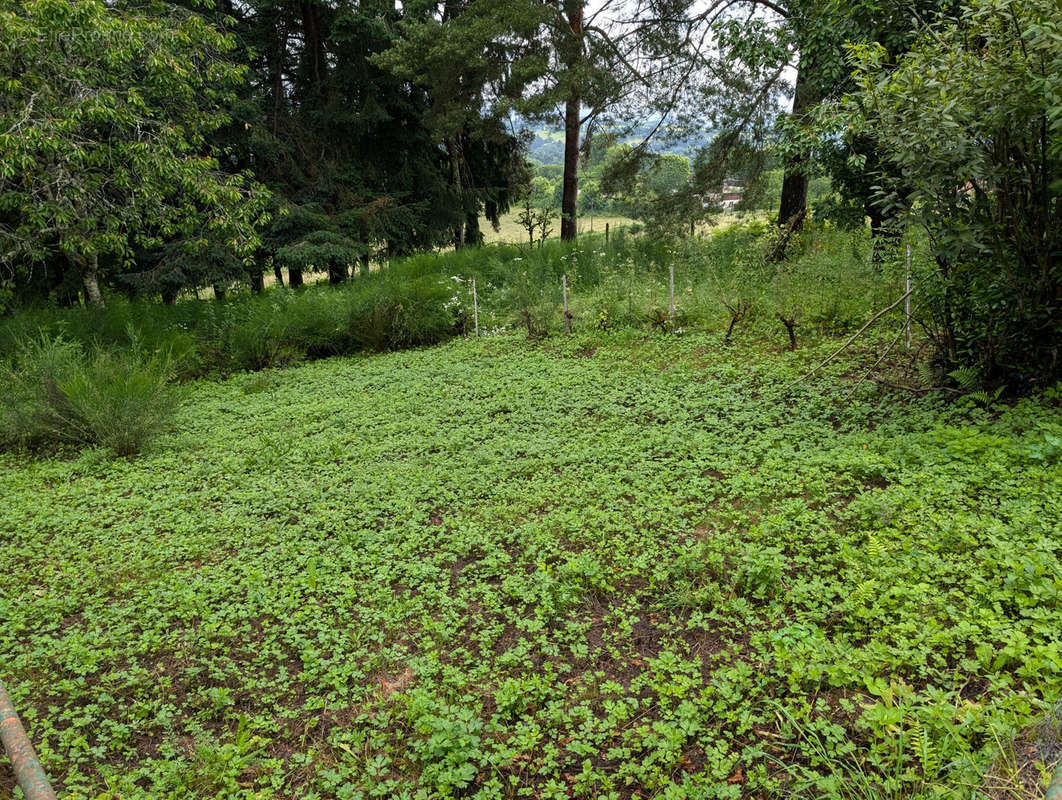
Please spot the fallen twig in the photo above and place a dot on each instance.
(851, 339)
(919, 390)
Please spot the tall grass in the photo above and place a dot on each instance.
(56, 392)
(826, 286)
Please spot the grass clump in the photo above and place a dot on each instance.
(60, 393)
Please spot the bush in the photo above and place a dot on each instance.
(57, 393)
(971, 118)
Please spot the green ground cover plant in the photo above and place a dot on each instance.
(615, 565)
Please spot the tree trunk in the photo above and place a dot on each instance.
(365, 263)
(294, 277)
(794, 194)
(455, 176)
(337, 273)
(311, 29)
(278, 273)
(570, 195)
(794, 198)
(572, 109)
(257, 282)
(90, 279)
(220, 292)
(277, 74)
(473, 235)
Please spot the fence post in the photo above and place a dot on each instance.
(475, 307)
(671, 291)
(606, 233)
(564, 296)
(907, 301)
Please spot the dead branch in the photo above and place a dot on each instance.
(790, 326)
(848, 343)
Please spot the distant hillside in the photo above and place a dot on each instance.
(547, 146)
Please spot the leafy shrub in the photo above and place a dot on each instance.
(970, 117)
(58, 393)
(406, 307)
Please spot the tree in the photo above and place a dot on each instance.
(758, 43)
(458, 72)
(326, 250)
(104, 117)
(537, 212)
(654, 188)
(554, 60)
(330, 130)
(784, 35)
(667, 174)
(970, 117)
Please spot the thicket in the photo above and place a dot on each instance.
(970, 122)
(723, 282)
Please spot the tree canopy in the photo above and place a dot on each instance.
(104, 117)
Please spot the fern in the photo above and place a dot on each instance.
(967, 378)
(864, 590)
(926, 373)
(921, 747)
(984, 399)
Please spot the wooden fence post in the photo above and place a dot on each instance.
(564, 296)
(475, 307)
(671, 292)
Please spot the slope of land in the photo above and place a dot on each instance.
(613, 566)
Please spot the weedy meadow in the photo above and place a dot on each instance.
(666, 556)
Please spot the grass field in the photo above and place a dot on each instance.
(614, 566)
(512, 232)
